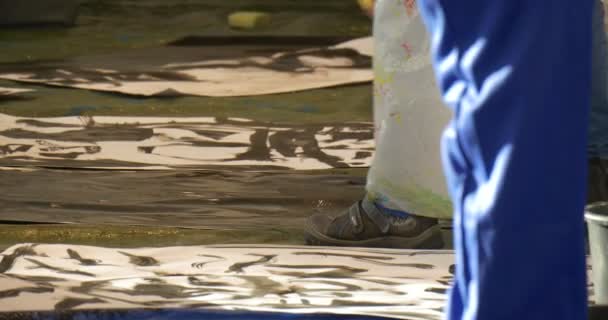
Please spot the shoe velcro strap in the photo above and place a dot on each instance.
(354, 214)
(377, 217)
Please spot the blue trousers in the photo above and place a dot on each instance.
(517, 75)
(598, 121)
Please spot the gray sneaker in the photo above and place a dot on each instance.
(363, 225)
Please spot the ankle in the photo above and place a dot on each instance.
(370, 205)
(393, 213)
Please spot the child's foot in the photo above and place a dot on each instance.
(364, 225)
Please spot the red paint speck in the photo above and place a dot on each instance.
(407, 48)
(410, 6)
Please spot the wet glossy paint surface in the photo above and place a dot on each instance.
(229, 166)
(176, 314)
(114, 170)
(390, 283)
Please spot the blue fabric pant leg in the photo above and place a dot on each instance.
(598, 121)
(517, 75)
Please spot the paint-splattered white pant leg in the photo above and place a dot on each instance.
(406, 172)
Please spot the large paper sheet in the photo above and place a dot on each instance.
(166, 143)
(392, 283)
(225, 70)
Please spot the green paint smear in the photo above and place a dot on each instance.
(135, 236)
(420, 200)
(341, 104)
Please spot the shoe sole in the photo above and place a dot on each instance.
(429, 239)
